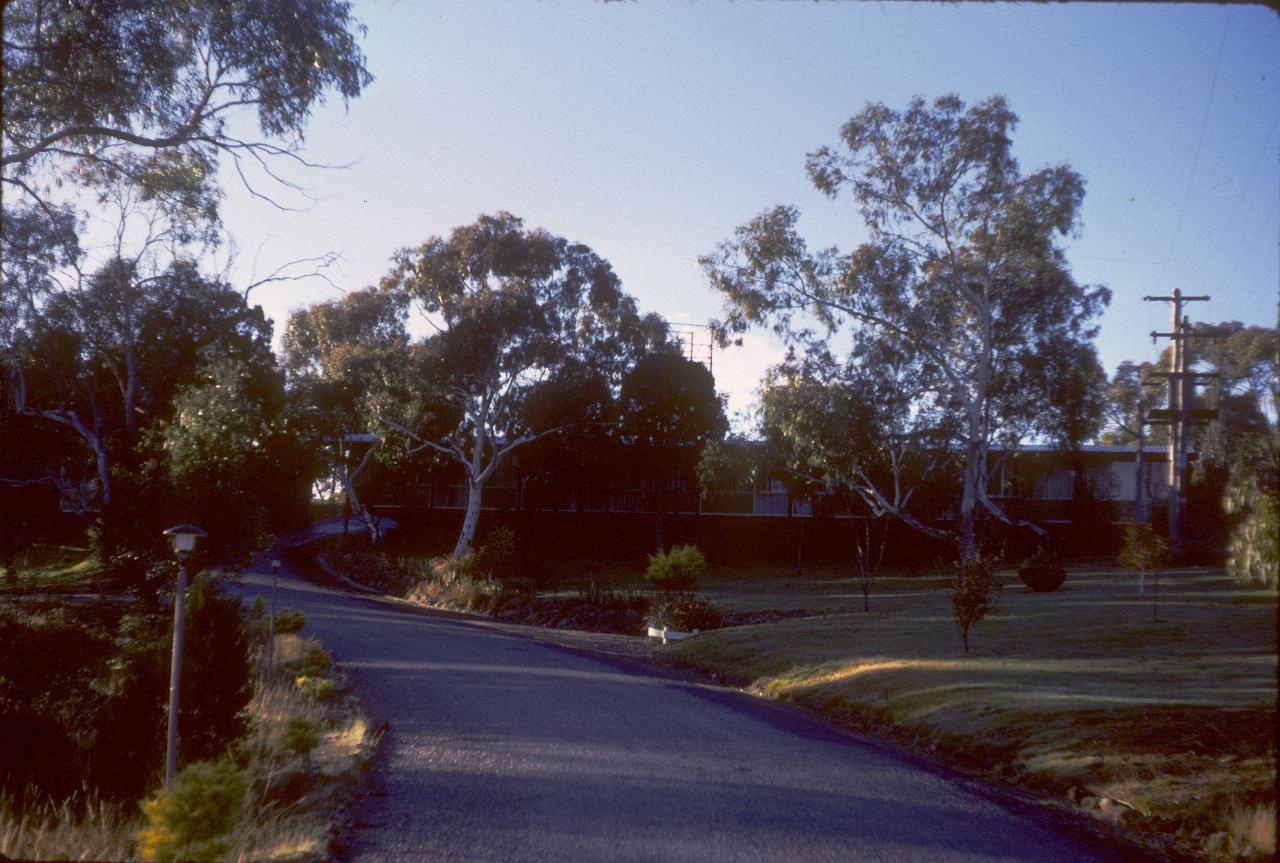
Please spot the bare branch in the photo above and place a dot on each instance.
(281, 274)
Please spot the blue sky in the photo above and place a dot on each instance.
(650, 130)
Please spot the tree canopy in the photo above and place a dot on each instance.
(519, 318)
(97, 91)
(346, 360)
(668, 412)
(134, 384)
(963, 281)
(102, 389)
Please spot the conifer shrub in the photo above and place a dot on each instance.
(1043, 572)
(677, 570)
(191, 820)
(302, 734)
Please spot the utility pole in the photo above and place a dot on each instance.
(1180, 413)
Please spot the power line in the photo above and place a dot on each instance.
(1244, 191)
(1252, 245)
(1195, 163)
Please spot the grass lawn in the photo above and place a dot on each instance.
(1078, 692)
(53, 568)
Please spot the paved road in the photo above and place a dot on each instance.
(503, 748)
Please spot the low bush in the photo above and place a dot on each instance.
(677, 570)
(313, 660)
(301, 735)
(454, 591)
(1042, 572)
(289, 621)
(496, 558)
(685, 614)
(190, 821)
(355, 559)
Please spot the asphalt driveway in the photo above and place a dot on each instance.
(504, 748)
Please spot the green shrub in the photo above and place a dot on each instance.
(50, 659)
(289, 621)
(301, 735)
(1144, 549)
(128, 736)
(685, 614)
(677, 570)
(313, 661)
(972, 596)
(319, 688)
(497, 556)
(1042, 572)
(190, 820)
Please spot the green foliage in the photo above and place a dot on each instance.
(1144, 549)
(496, 558)
(725, 465)
(319, 688)
(515, 308)
(677, 570)
(1254, 551)
(973, 595)
(49, 707)
(1043, 572)
(218, 446)
(313, 660)
(217, 679)
(1147, 551)
(189, 822)
(102, 92)
(347, 360)
(669, 411)
(147, 393)
(84, 691)
(301, 734)
(685, 614)
(288, 621)
(957, 235)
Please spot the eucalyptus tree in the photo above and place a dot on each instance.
(512, 312)
(962, 276)
(668, 412)
(98, 92)
(346, 359)
(92, 379)
(857, 427)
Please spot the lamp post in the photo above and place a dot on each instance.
(184, 538)
(271, 624)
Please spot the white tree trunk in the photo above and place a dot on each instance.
(471, 520)
(358, 509)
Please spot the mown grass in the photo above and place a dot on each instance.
(1077, 692)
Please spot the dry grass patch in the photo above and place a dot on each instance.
(1078, 692)
(66, 830)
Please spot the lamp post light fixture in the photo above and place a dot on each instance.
(271, 625)
(184, 537)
